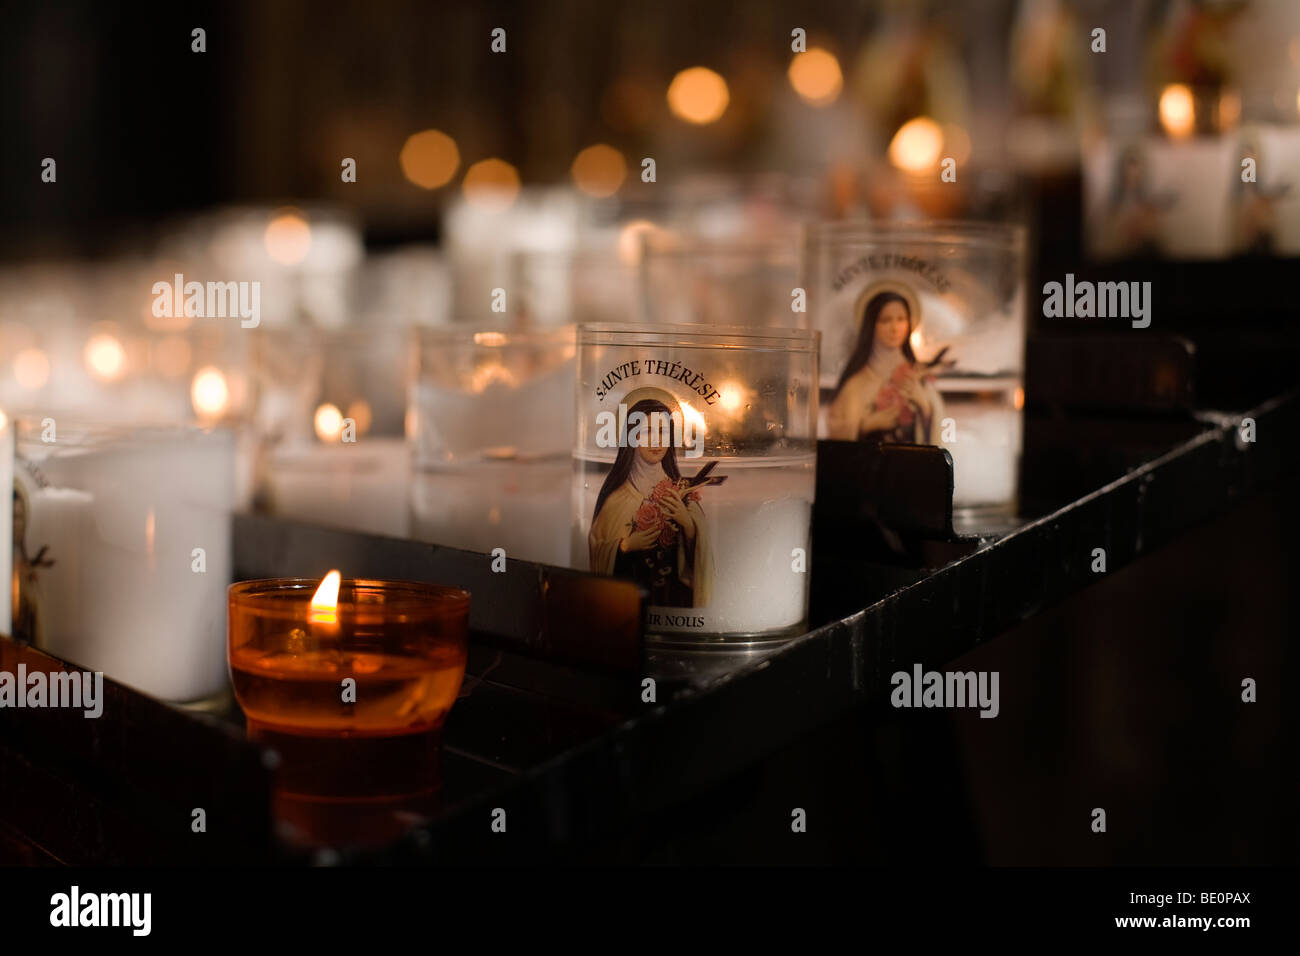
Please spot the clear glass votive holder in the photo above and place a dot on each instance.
(491, 425)
(694, 469)
(121, 550)
(747, 281)
(923, 341)
(331, 414)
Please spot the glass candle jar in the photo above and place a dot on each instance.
(923, 332)
(121, 550)
(721, 281)
(693, 474)
(491, 422)
(402, 644)
(331, 416)
(350, 682)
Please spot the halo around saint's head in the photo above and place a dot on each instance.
(898, 287)
(650, 391)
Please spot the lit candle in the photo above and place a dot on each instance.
(694, 473)
(1193, 166)
(122, 551)
(350, 682)
(924, 337)
(335, 657)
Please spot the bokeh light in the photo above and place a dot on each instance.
(816, 76)
(917, 145)
(599, 170)
(491, 184)
(209, 393)
(429, 158)
(698, 95)
(288, 237)
(31, 368)
(1177, 111)
(329, 422)
(105, 357)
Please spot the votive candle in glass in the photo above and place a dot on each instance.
(923, 341)
(121, 550)
(491, 418)
(350, 683)
(734, 281)
(294, 645)
(693, 474)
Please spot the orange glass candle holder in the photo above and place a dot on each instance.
(387, 659)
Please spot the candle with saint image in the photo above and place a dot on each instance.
(122, 550)
(694, 473)
(924, 328)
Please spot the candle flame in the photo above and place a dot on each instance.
(105, 357)
(1177, 111)
(209, 393)
(325, 602)
(329, 422)
(917, 145)
(695, 418)
(288, 237)
(731, 397)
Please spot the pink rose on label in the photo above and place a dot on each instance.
(648, 516)
(668, 535)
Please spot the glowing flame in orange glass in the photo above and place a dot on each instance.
(325, 602)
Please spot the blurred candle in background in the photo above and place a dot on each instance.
(491, 424)
(121, 544)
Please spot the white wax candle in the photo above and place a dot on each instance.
(985, 451)
(519, 505)
(1279, 175)
(120, 586)
(358, 486)
(759, 516)
(756, 523)
(1198, 174)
